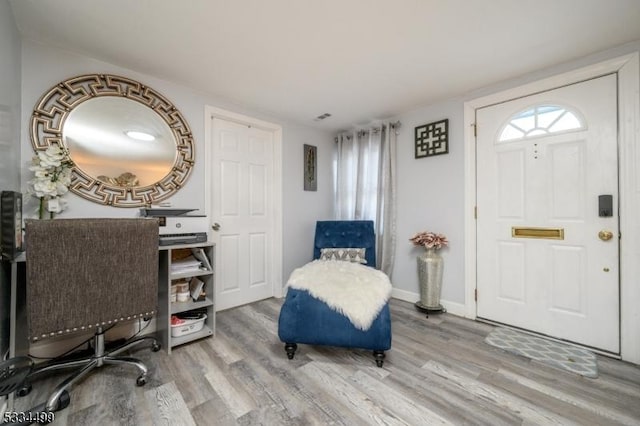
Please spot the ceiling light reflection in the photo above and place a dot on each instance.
(140, 136)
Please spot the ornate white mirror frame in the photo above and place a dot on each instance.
(52, 113)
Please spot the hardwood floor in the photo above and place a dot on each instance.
(439, 371)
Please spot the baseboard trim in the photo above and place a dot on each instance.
(454, 308)
(404, 295)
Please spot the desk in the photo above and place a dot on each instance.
(16, 271)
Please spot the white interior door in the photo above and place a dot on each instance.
(542, 262)
(242, 211)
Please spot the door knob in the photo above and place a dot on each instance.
(215, 226)
(605, 235)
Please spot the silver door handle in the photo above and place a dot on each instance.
(215, 226)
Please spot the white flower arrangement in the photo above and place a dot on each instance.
(52, 176)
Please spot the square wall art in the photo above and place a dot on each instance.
(432, 139)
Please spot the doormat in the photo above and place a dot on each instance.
(558, 355)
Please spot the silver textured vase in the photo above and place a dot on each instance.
(430, 268)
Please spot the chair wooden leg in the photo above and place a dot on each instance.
(290, 348)
(379, 356)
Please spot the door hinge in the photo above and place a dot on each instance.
(475, 130)
(475, 294)
(475, 212)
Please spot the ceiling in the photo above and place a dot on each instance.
(359, 60)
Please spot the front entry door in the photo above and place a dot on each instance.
(242, 212)
(547, 218)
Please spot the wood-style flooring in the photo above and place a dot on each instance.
(438, 371)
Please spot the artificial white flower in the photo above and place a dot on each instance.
(61, 188)
(47, 160)
(44, 188)
(52, 177)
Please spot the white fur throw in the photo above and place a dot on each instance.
(356, 291)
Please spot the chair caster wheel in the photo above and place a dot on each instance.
(141, 381)
(379, 363)
(156, 347)
(24, 390)
(63, 401)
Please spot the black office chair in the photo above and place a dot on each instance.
(88, 275)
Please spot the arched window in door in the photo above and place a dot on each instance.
(541, 120)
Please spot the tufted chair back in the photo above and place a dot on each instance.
(346, 234)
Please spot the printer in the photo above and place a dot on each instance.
(178, 227)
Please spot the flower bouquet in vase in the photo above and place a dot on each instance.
(430, 269)
(51, 179)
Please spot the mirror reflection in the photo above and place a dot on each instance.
(119, 141)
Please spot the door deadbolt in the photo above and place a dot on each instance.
(605, 235)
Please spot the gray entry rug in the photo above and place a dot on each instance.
(559, 355)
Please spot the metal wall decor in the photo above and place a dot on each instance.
(51, 115)
(432, 139)
(310, 168)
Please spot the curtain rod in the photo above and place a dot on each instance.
(394, 125)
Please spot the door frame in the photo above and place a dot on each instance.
(627, 68)
(211, 112)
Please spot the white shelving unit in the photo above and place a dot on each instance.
(166, 308)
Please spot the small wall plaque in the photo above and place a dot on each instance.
(310, 168)
(432, 139)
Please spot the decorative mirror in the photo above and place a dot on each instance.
(130, 146)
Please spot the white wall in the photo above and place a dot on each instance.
(9, 100)
(431, 190)
(43, 67)
(300, 216)
(431, 198)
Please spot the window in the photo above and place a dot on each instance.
(539, 121)
(356, 175)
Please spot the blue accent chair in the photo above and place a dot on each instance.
(305, 319)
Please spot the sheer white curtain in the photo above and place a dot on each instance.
(365, 184)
